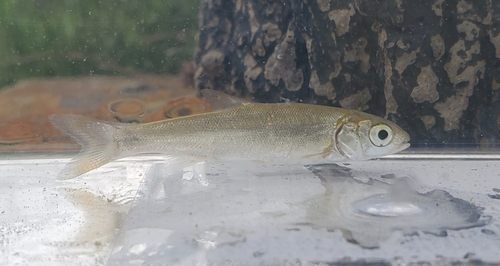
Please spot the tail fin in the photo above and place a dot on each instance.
(96, 139)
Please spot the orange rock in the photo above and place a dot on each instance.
(26, 105)
(179, 107)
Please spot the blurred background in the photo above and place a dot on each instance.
(113, 60)
(42, 38)
(435, 75)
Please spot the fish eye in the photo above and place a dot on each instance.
(381, 135)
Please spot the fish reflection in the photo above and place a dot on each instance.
(367, 213)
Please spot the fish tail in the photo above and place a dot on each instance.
(95, 137)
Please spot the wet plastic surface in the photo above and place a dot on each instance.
(142, 210)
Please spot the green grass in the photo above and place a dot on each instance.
(43, 38)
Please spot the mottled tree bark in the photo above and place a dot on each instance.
(432, 66)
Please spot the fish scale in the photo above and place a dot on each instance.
(246, 128)
(284, 133)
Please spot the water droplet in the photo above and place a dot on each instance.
(381, 205)
(279, 56)
(351, 205)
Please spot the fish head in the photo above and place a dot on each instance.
(366, 136)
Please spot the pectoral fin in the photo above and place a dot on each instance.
(327, 151)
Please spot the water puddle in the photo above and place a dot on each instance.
(368, 212)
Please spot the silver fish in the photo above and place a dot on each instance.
(280, 133)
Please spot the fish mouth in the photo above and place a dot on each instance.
(403, 146)
(405, 142)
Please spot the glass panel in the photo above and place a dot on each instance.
(181, 164)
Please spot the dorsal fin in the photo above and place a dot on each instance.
(220, 101)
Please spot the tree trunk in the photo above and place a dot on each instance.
(431, 66)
